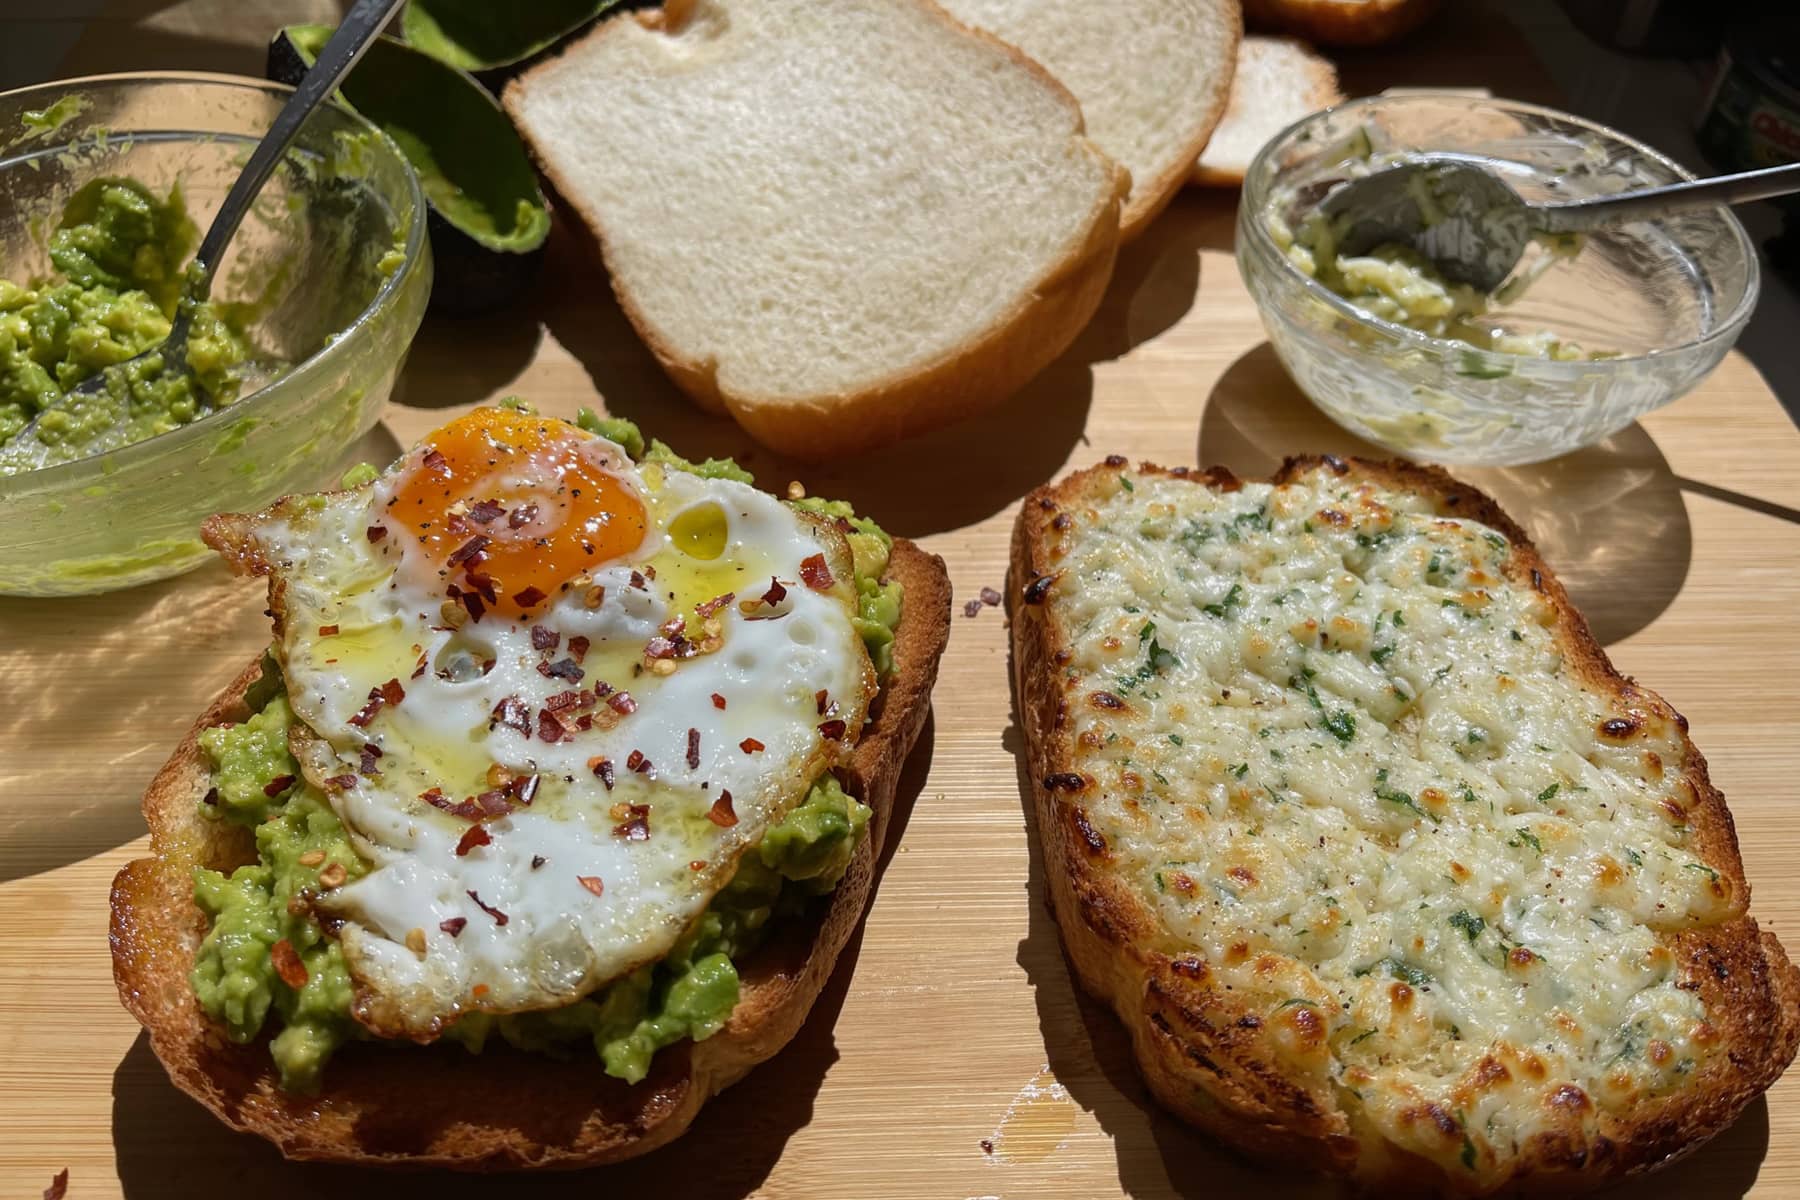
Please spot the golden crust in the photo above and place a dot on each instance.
(977, 374)
(1203, 1053)
(441, 1106)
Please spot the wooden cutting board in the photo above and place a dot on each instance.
(950, 1056)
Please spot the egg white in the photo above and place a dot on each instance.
(354, 613)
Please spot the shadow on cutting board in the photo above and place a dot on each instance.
(945, 479)
(1609, 519)
(1161, 1158)
(166, 1145)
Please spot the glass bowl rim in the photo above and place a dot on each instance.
(1725, 330)
(115, 461)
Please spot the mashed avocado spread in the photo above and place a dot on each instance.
(259, 955)
(120, 256)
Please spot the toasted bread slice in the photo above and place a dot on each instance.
(843, 223)
(1340, 22)
(1352, 823)
(1153, 77)
(438, 1105)
(1278, 81)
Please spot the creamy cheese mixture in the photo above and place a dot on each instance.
(1343, 756)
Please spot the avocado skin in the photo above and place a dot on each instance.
(468, 278)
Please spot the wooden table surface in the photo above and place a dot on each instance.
(950, 1056)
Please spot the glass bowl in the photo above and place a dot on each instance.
(332, 263)
(1665, 298)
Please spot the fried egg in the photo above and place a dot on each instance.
(553, 695)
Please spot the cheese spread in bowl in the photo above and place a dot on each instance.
(1584, 338)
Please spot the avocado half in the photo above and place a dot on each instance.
(490, 40)
(488, 218)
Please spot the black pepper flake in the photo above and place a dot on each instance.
(693, 750)
(1038, 588)
(544, 639)
(537, 860)
(376, 533)
(211, 797)
(562, 668)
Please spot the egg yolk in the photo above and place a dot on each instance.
(516, 506)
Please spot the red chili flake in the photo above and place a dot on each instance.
(287, 964)
(485, 511)
(660, 647)
(990, 597)
(538, 860)
(494, 804)
(833, 731)
(328, 630)
(544, 639)
(637, 580)
(815, 573)
(524, 789)
(709, 607)
(522, 516)
(531, 597)
(371, 754)
(635, 761)
(603, 770)
(499, 917)
(453, 926)
(59, 1185)
(673, 626)
(718, 701)
(972, 608)
(693, 754)
(821, 701)
(341, 783)
(636, 827)
(278, 785)
(650, 572)
(435, 460)
(419, 667)
(512, 713)
(578, 647)
(479, 990)
(750, 746)
(467, 810)
(699, 864)
(469, 549)
(721, 813)
(473, 836)
(776, 593)
(392, 692)
(472, 603)
(483, 583)
(562, 668)
(549, 728)
(376, 533)
(621, 703)
(592, 883)
(367, 712)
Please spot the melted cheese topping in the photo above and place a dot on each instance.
(1340, 752)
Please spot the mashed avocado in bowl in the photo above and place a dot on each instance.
(102, 184)
(266, 966)
(119, 254)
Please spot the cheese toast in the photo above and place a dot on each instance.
(1349, 819)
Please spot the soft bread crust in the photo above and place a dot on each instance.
(440, 1106)
(1278, 81)
(1203, 1052)
(1153, 78)
(1340, 22)
(934, 382)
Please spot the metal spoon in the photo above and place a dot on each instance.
(1474, 228)
(359, 28)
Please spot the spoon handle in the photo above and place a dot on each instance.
(1577, 216)
(359, 27)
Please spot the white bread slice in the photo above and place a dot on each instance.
(843, 221)
(1153, 77)
(1278, 81)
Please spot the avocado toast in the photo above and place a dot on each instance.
(660, 1047)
